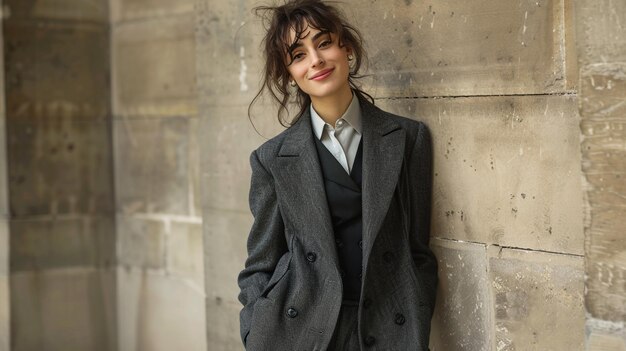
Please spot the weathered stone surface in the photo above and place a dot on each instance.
(507, 169)
(86, 10)
(538, 300)
(159, 313)
(140, 242)
(124, 10)
(231, 137)
(464, 48)
(600, 31)
(60, 165)
(605, 336)
(67, 309)
(5, 313)
(230, 34)
(225, 235)
(185, 254)
(223, 321)
(157, 165)
(463, 313)
(5, 252)
(56, 70)
(603, 91)
(154, 68)
(39, 244)
(5, 298)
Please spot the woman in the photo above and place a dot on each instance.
(338, 255)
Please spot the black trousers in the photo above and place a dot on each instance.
(346, 334)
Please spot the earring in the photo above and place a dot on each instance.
(292, 83)
(350, 57)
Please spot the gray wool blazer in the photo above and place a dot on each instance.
(291, 288)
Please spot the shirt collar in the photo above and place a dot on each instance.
(352, 116)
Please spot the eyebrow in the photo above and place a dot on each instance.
(298, 44)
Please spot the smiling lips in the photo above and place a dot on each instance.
(323, 74)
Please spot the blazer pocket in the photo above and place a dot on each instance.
(279, 272)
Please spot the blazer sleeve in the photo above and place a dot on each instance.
(420, 185)
(266, 242)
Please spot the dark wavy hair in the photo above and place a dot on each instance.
(297, 14)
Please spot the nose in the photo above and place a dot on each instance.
(316, 59)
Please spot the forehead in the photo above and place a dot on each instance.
(307, 31)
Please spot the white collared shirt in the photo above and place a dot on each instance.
(342, 139)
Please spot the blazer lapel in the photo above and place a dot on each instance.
(383, 152)
(300, 176)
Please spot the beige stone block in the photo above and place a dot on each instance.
(67, 309)
(506, 169)
(60, 166)
(140, 242)
(83, 10)
(157, 165)
(603, 96)
(599, 342)
(154, 67)
(223, 320)
(464, 309)
(225, 237)
(56, 70)
(419, 48)
(185, 254)
(600, 32)
(125, 10)
(5, 313)
(159, 313)
(229, 55)
(231, 136)
(39, 244)
(5, 252)
(538, 299)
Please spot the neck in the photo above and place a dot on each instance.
(331, 108)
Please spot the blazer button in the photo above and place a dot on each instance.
(370, 341)
(400, 319)
(292, 312)
(311, 256)
(388, 256)
(339, 243)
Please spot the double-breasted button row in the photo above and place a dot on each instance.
(311, 256)
(292, 312)
(400, 319)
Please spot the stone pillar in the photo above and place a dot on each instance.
(5, 302)
(59, 208)
(601, 49)
(160, 277)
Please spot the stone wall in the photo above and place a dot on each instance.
(601, 49)
(497, 84)
(59, 212)
(160, 276)
(5, 302)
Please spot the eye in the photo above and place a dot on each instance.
(325, 43)
(297, 56)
